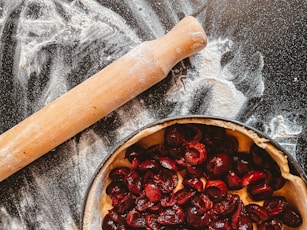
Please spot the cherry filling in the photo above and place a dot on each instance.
(190, 182)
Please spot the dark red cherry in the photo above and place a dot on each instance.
(193, 132)
(116, 187)
(196, 219)
(152, 192)
(259, 191)
(183, 195)
(167, 180)
(142, 203)
(227, 205)
(168, 163)
(117, 217)
(271, 224)
(123, 202)
(256, 213)
(201, 202)
(291, 217)
(245, 223)
(135, 219)
(242, 163)
(174, 135)
(194, 182)
(134, 151)
(252, 177)
(171, 216)
(219, 165)
(275, 205)
(168, 200)
(213, 135)
(148, 165)
(108, 223)
(118, 174)
(233, 181)
(195, 170)
(260, 157)
(219, 225)
(216, 189)
(134, 182)
(195, 153)
(152, 221)
(229, 145)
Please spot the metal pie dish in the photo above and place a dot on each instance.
(295, 189)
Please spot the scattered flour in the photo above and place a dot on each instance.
(87, 30)
(212, 84)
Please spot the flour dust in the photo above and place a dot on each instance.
(61, 43)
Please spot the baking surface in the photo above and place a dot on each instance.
(253, 70)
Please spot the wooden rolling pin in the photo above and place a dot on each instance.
(99, 95)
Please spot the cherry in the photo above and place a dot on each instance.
(135, 162)
(155, 150)
(171, 216)
(118, 174)
(257, 213)
(116, 187)
(226, 206)
(229, 145)
(115, 216)
(275, 205)
(272, 224)
(260, 157)
(123, 202)
(233, 181)
(108, 223)
(219, 165)
(195, 153)
(237, 215)
(219, 225)
(167, 180)
(168, 200)
(134, 182)
(152, 221)
(242, 163)
(195, 183)
(174, 135)
(152, 192)
(193, 132)
(252, 177)
(245, 223)
(259, 191)
(134, 151)
(196, 219)
(135, 219)
(213, 135)
(183, 195)
(201, 202)
(216, 189)
(168, 163)
(148, 165)
(142, 203)
(195, 170)
(291, 217)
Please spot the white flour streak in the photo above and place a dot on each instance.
(212, 84)
(285, 133)
(133, 117)
(147, 17)
(8, 220)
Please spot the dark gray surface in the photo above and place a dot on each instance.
(48, 47)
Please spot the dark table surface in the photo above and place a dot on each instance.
(253, 70)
